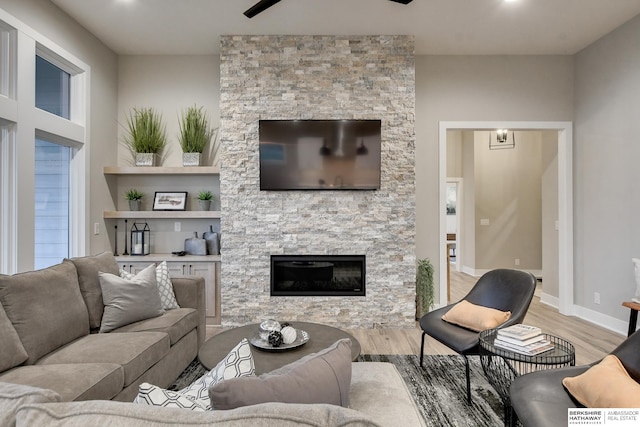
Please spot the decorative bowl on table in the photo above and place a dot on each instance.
(272, 336)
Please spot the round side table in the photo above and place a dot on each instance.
(502, 366)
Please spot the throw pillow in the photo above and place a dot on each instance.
(165, 286)
(128, 301)
(322, 377)
(238, 363)
(605, 385)
(12, 352)
(152, 395)
(475, 317)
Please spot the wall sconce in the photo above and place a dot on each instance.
(140, 238)
(501, 142)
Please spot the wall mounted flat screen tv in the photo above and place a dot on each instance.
(320, 154)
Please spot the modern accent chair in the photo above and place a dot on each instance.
(539, 399)
(501, 289)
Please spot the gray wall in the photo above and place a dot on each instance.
(478, 88)
(321, 77)
(606, 153)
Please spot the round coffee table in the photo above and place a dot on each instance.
(320, 337)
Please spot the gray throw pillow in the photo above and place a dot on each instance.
(127, 301)
(322, 377)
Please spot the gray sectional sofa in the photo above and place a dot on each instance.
(48, 328)
(56, 370)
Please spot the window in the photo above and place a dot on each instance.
(52, 165)
(52, 88)
(43, 153)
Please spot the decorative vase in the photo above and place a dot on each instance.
(195, 246)
(205, 205)
(134, 205)
(212, 240)
(146, 159)
(191, 159)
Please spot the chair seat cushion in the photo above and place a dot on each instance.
(135, 352)
(540, 400)
(177, 323)
(77, 381)
(475, 317)
(461, 340)
(605, 385)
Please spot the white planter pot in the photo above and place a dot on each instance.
(191, 159)
(146, 159)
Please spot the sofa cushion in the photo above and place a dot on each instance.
(475, 317)
(81, 414)
(329, 371)
(605, 385)
(237, 363)
(12, 352)
(13, 396)
(88, 268)
(127, 301)
(177, 323)
(45, 308)
(165, 286)
(135, 352)
(78, 381)
(152, 395)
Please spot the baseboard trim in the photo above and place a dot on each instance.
(603, 320)
(549, 300)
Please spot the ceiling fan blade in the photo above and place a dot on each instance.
(261, 6)
(402, 1)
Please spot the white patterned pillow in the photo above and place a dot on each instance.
(149, 394)
(238, 363)
(165, 287)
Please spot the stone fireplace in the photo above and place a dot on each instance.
(323, 78)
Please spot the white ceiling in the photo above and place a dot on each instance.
(464, 27)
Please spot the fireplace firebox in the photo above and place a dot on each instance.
(318, 275)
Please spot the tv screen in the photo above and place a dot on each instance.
(319, 154)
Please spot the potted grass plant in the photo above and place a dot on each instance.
(135, 198)
(205, 197)
(194, 135)
(146, 136)
(424, 287)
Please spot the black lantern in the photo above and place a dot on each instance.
(140, 238)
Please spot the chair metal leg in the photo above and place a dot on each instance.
(466, 363)
(422, 349)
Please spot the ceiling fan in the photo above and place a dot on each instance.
(263, 5)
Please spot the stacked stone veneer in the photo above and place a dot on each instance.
(317, 77)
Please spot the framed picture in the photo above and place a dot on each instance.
(170, 201)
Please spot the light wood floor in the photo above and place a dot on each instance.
(591, 342)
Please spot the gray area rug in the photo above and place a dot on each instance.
(439, 389)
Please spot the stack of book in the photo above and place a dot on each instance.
(524, 339)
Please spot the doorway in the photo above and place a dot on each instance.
(565, 200)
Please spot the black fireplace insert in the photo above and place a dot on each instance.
(318, 275)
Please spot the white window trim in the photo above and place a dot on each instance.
(17, 252)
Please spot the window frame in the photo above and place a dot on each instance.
(23, 122)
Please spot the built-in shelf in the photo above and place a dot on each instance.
(167, 257)
(161, 170)
(161, 214)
